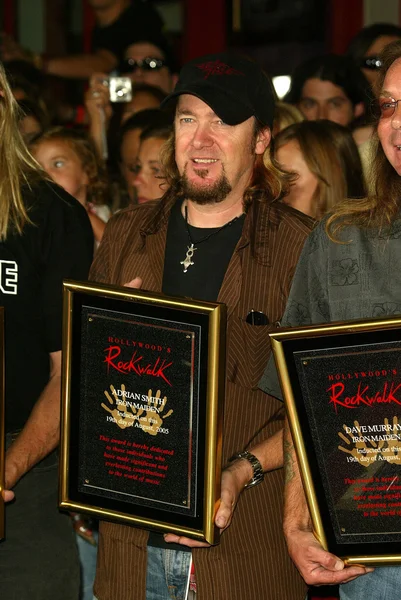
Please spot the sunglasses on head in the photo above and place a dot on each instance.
(371, 62)
(149, 63)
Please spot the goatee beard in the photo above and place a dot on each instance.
(217, 192)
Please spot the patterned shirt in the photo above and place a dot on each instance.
(357, 278)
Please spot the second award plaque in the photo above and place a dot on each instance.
(342, 387)
(143, 385)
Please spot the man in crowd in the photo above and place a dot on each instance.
(222, 203)
(329, 87)
(363, 234)
(118, 24)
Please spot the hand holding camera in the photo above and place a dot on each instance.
(97, 102)
(97, 96)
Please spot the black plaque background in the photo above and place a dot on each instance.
(89, 377)
(347, 531)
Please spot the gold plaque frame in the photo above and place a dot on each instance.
(124, 487)
(342, 389)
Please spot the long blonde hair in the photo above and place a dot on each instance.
(285, 115)
(380, 208)
(17, 166)
(323, 160)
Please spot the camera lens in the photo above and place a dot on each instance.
(121, 91)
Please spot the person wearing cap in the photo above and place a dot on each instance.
(219, 233)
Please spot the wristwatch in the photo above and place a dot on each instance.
(258, 474)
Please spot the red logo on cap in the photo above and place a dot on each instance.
(216, 67)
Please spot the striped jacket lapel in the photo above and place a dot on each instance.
(231, 287)
(156, 247)
(154, 234)
(232, 283)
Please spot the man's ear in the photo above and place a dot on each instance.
(263, 140)
(359, 109)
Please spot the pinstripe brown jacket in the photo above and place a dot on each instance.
(251, 561)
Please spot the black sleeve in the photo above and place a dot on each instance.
(67, 252)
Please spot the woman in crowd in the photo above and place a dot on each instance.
(70, 159)
(128, 142)
(149, 180)
(325, 162)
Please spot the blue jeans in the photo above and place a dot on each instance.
(87, 558)
(383, 584)
(167, 574)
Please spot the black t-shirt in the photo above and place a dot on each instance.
(57, 245)
(203, 279)
(139, 22)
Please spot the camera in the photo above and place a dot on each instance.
(120, 89)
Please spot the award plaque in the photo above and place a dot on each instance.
(143, 387)
(2, 427)
(342, 389)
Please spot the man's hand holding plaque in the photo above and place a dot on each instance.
(233, 481)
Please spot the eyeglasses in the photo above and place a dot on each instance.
(371, 62)
(385, 107)
(149, 63)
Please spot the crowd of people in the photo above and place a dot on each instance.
(152, 160)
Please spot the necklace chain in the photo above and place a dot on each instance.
(188, 262)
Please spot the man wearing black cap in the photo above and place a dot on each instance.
(219, 233)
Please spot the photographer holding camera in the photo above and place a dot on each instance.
(149, 63)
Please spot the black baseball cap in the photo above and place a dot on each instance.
(235, 87)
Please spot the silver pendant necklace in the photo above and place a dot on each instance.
(188, 262)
